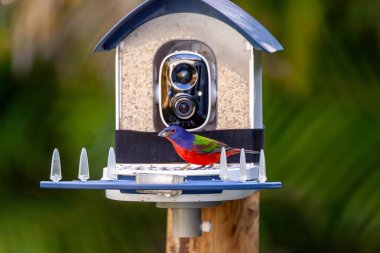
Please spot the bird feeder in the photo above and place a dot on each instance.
(198, 64)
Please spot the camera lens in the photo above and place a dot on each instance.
(184, 107)
(184, 76)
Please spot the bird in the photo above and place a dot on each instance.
(197, 149)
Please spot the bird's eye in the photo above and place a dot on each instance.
(172, 130)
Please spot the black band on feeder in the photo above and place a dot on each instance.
(148, 147)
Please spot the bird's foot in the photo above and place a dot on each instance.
(198, 168)
(209, 166)
(203, 167)
(185, 167)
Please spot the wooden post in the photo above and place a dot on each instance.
(235, 228)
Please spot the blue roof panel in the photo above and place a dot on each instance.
(223, 10)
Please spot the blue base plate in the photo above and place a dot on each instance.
(131, 185)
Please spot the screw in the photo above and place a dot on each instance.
(206, 226)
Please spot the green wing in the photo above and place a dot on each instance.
(206, 145)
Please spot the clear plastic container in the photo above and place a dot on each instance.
(234, 66)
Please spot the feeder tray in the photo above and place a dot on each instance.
(167, 182)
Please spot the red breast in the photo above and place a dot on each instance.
(200, 159)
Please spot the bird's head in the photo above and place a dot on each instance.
(173, 132)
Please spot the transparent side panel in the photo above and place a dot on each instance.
(139, 90)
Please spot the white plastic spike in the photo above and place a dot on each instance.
(55, 170)
(262, 169)
(84, 172)
(243, 166)
(223, 165)
(111, 165)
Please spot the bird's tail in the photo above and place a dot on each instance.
(247, 151)
(236, 151)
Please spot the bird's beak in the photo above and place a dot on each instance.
(163, 133)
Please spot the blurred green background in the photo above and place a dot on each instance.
(321, 109)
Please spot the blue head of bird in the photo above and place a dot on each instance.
(175, 133)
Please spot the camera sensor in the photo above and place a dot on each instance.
(184, 76)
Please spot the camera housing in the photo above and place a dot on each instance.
(186, 90)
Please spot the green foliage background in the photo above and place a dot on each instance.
(321, 108)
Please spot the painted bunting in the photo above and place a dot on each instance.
(196, 149)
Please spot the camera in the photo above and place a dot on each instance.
(185, 86)
(186, 90)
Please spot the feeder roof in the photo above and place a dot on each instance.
(223, 10)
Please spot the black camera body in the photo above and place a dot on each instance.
(186, 90)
